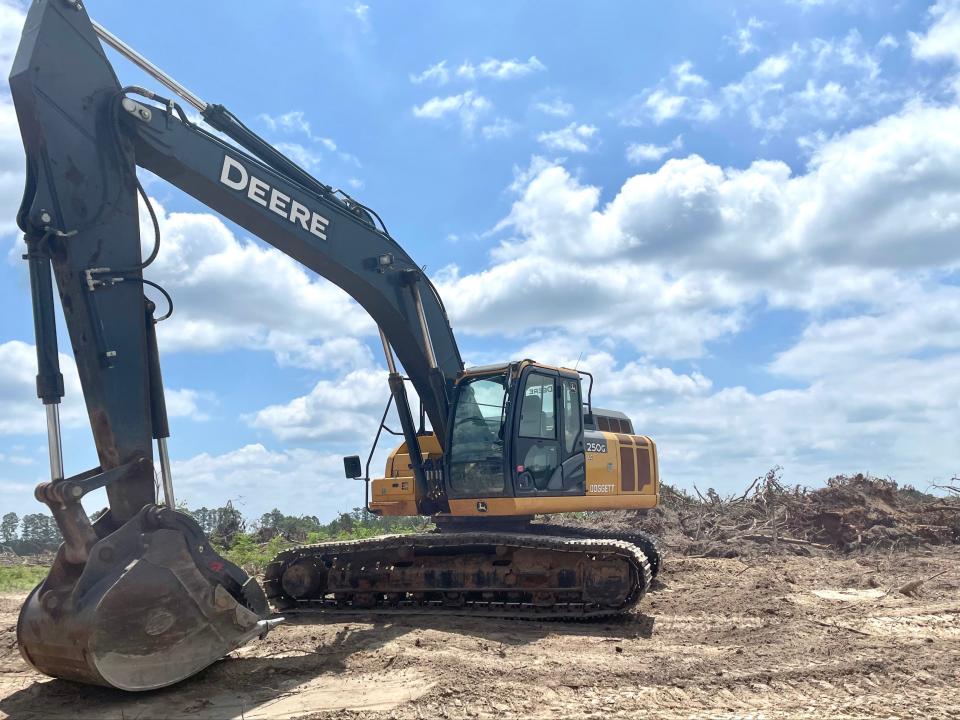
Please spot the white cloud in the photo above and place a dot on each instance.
(293, 121)
(185, 403)
(522, 176)
(11, 26)
(808, 4)
(21, 460)
(904, 162)
(764, 78)
(684, 76)
(638, 153)
(500, 69)
(671, 99)
(941, 41)
(294, 480)
(830, 100)
(231, 293)
(862, 402)
(303, 156)
(922, 320)
(884, 387)
(499, 128)
(663, 106)
(743, 37)
(11, 147)
(361, 12)
(338, 353)
(636, 381)
(435, 73)
(573, 138)
(11, 166)
(541, 292)
(468, 107)
(23, 412)
(679, 256)
(705, 111)
(849, 52)
(839, 424)
(888, 42)
(633, 278)
(334, 411)
(491, 68)
(816, 83)
(555, 107)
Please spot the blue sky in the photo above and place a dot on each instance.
(742, 217)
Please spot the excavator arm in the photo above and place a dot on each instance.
(140, 599)
(335, 238)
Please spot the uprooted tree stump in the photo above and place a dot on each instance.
(849, 514)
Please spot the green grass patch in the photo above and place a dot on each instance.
(253, 557)
(17, 578)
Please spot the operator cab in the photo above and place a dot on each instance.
(521, 441)
(517, 431)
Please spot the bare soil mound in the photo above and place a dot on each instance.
(856, 513)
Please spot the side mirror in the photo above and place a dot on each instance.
(351, 466)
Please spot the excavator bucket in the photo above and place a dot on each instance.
(153, 605)
(139, 599)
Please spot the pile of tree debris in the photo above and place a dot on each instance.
(850, 514)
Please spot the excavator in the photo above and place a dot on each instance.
(140, 598)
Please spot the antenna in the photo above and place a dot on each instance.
(579, 358)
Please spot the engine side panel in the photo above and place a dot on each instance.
(619, 464)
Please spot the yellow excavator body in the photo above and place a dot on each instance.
(546, 451)
(625, 476)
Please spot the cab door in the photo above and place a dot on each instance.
(536, 446)
(547, 448)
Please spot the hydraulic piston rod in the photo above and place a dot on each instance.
(53, 441)
(424, 326)
(388, 353)
(216, 115)
(49, 378)
(399, 393)
(140, 61)
(166, 477)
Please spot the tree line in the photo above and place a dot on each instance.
(225, 526)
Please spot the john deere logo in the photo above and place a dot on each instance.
(481, 506)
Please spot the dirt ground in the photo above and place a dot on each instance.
(770, 637)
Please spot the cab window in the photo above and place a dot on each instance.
(537, 414)
(476, 451)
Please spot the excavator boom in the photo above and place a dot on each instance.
(140, 599)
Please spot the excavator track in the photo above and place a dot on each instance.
(648, 543)
(481, 574)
